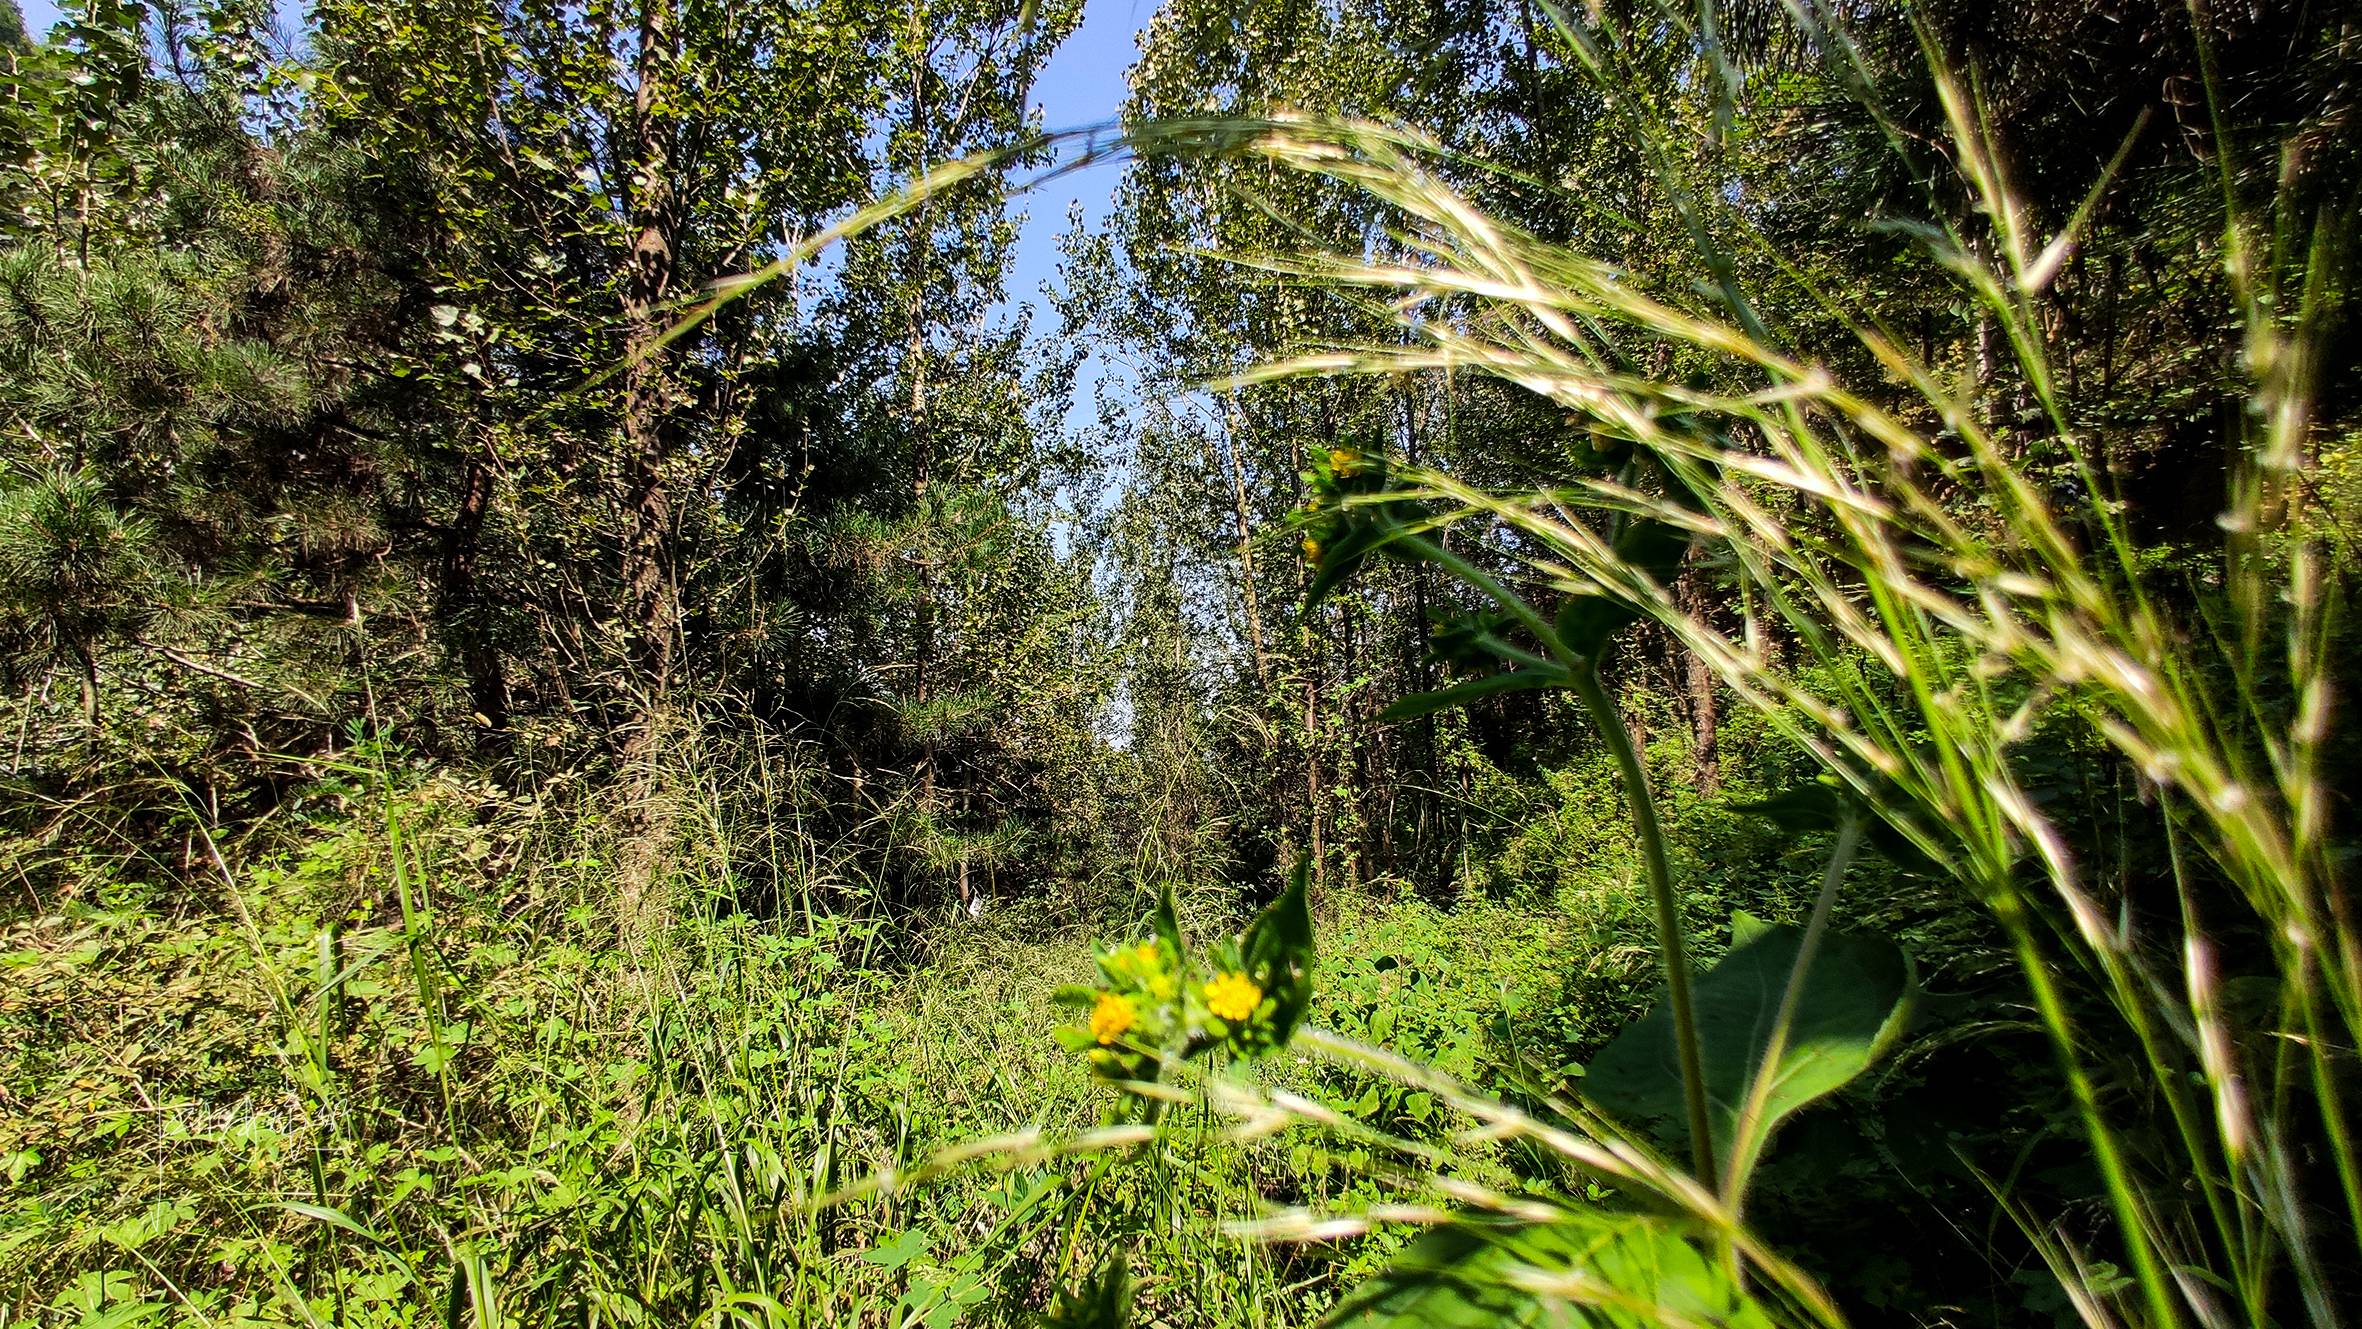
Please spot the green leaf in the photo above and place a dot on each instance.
(1634, 1270)
(1746, 927)
(1821, 805)
(1855, 1001)
(1809, 807)
(138, 1230)
(904, 1248)
(1654, 547)
(1104, 1301)
(1167, 921)
(1587, 622)
(1278, 953)
(1362, 533)
(336, 1218)
(1474, 689)
(1477, 640)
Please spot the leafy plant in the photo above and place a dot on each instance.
(1852, 1001)
(1825, 505)
(1601, 1271)
(1156, 1005)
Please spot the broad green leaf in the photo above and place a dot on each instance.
(1103, 1301)
(1822, 804)
(1654, 547)
(1817, 806)
(904, 1248)
(1278, 953)
(1586, 1270)
(110, 1299)
(1855, 1001)
(1746, 927)
(1479, 640)
(147, 1225)
(1362, 532)
(1585, 622)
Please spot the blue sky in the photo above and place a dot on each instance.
(1083, 84)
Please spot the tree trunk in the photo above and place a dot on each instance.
(914, 368)
(479, 657)
(1689, 594)
(650, 593)
(86, 666)
(1312, 755)
(647, 426)
(1418, 659)
(1308, 643)
(1236, 469)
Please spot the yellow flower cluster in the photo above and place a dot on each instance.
(1233, 997)
(1152, 1005)
(1144, 965)
(1114, 1015)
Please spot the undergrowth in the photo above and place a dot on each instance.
(423, 1073)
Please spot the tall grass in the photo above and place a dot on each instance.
(674, 1138)
(1909, 642)
(1922, 643)
(428, 1070)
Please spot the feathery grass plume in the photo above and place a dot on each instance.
(1925, 641)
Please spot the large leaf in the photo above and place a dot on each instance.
(1856, 998)
(1476, 639)
(1104, 1301)
(1585, 622)
(1587, 1270)
(1356, 534)
(1167, 920)
(1277, 950)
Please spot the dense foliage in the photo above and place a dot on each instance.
(1699, 649)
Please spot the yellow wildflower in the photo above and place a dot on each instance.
(1344, 461)
(1233, 997)
(1311, 550)
(1149, 963)
(1114, 1014)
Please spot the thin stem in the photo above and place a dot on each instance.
(1583, 677)
(1669, 932)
